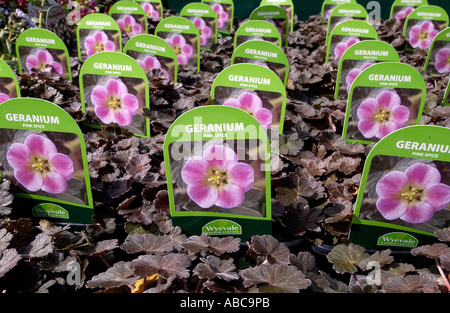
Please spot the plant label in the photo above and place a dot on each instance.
(263, 53)
(9, 87)
(153, 52)
(287, 6)
(423, 24)
(153, 9)
(114, 91)
(98, 32)
(224, 10)
(56, 21)
(184, 38)
(205, 19)
(276, 16)
(257, 30)
(218, 177)
(43, 155)
(404, 192)
(130, 17)
(40, 50)
(357, 58)
(346, 34)
(400, 9)
(438, 58)
(383, 98)
(329, 5)
(446, 100)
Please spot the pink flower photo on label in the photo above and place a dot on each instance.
(413, 195)
(98, 42)
(442, 58)
(253, 105)
(41, 61)
(421, 36)
(38, 165)
(355, 72)
(382, 115)
(113, 103)
(150, 62)
(217, 178)
(3, 97)
(342, 46)
(183, 51)
(203, 29)
(129, 25)
(403, 14)
(222, 16)
(150, 11)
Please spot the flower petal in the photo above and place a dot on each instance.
(116, 88)
(423, 175)
(31, 180)
(250, 102)
(241, 175)
(264, 117)
(220, 157)
(31, 62)
(40, 146)
(230, 196)
(400, 115)
(420, 212)
(105, 114)
(44, 56)
(99, 96)
(367, 109)
(388, 99)
(204, 196)
(123, 117)
(391, 209)
(187, 50)
(178, 40)
(100, 36)
(231, 102)
(368, 128)
(130, 103)
(386, 129)
(392, 184)
(19, 156)
(110, 46)
(54, 183)
(61, 164)
(195, 171)
(89, 43)
(438, 196)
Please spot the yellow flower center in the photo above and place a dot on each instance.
(99, 47)
(412, 194)
(448, 60)
(114, 102)
(423, 35)
(382, 116)
(128, 29)
(177, 50)
(218, 178)
(42, 65)
(40, 165)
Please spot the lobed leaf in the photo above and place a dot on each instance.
(345, 257)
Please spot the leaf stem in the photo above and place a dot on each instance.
(447, 284)
(199, 285)
(356, 280)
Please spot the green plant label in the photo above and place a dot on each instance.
(153, 9)
(40, 50)
(263, 53)
(345, 12)
(357, 58)
(276, 16)
(218, 173)
(257, 30)
(446, 100)
(184, 38)
(205, 19)
(43, 154)
(438, 58)
(98, 32)
(383, 98)
(347, 33)
(287, 6)
(255, 89)
(9, 86)
(329, 5)
(403, 195)
(130, 17)
(423, 24)
(114, 91)
(224, 10)
(400, 9)
(56, 21)
(153, 52)
(35, 8)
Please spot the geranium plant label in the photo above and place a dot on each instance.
(130, 17)
(114, 91)
(56, 21)
(383, 98)
(153, 9)
(438, 59)
(257, 30)
(346, 34)
(40, 50)
(329, 5)
(184, 38)
(43, 155)
(404, 194)
(9, 87)
(98, 32)
(287, 6)
(218, 178)
(446, 99)
(274, 15)
(357, 58)
(224, 10)
(423, 24)
(205, 19)
(153, 52)
(400, 9)
(255, 89)
(263, 53)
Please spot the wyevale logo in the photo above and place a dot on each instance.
(398, 239)
(222, 227)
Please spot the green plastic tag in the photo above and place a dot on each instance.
(287, 6)
(55, 182)
(329, 5)
(224, 10)
(153, 9)
(205, 19)
(257, 30)
(276, 16)
(400, 9)
(56, 21)
(130, 17)
(403, 195)
(437, 59)
(446, 100)
(9, 86)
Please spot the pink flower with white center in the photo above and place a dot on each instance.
(421, 36)
(113, 103)
(342, 46)
(253, 105)
(355, 72)
(183, 51)
(38, 165)
(203, 29)
(3, 97)
(382, 115)
(149, 63)
(403, 14)
(222, 16)
(98, 42)
(442, 58)
(217, 178)
(129, 25)
(413, 195)
(41, 61)
(150, 11)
